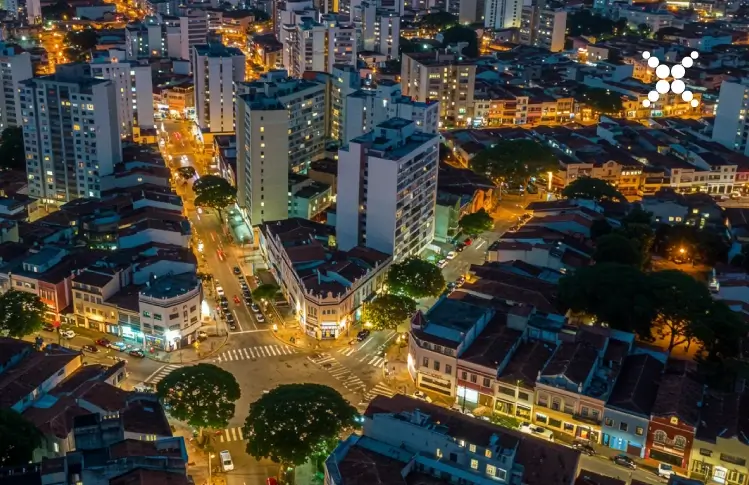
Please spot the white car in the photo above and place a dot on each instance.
(259, 317)
(226, 462)
(67, 334)
(536, 431)
(451, 255)
(442, 263)
(665, 470)
(219, 291)
(421, 396)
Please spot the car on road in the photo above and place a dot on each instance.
(236, 270)
(224, 303)
(665, 470)
(468, 241)
(460, 247)
(254, 307)
(441, 263)
(229, 317)
(90, 348)
(248, 300)
(117, 358)
(48, 327)
(259, 317)
(67, 333)
(271, 481)
(362, 335)
(536, 431)
(137, 353)
(202, 334)
(460, 281)
(584, 448)
(421, 396)
(104, 342)
(226, 462)
(451, 255)
(625, 461)
(237, 300)
(232, 326)
(219, 291)
(121, 346)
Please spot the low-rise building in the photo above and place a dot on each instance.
(325, 287)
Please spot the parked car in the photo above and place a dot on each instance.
(90, 348)
(229, 318)
(665, 470)
(441, 263)
(625, 461)
(137, 353)
(451, 255)
(121, 346)
(421, 396)
(460, 281)
(202, 335)
(219, 291)
(259, 317)
(248, 300)
(460, 247)
(226, 462)
(232, 326)
(362, 335)
(67, 333)
(254, 307)
(48, 327)
(584, 448)
(236, 270)
(104, 342)
(536, 431)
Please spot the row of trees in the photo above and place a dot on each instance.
(515, 162)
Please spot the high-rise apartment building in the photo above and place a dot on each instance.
(134, 90)
(467, 11)
(367, 108)
(542, 27)
(345, 80)
(281, 127)
(502, 14)
(444, 77)
(14, 68)
(166, 35)
(387, 189)
(193, 30)
(70, 133)
(311, 45)
(380, 29)
(216, 71)
(730, 127)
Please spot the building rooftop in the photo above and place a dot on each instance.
(170, 286)
(637, 385)
(525, 364)
(678, 396)
(451, 319)
(494, 343)
(217, 49)
(724, 415)
(573, 361)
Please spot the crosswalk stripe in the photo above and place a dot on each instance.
(227, 434)
(239, 432)
(221, 438)
(234, 433)
(246, 354)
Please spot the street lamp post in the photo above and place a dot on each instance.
(210, 455)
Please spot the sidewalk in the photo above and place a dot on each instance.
(190, 354)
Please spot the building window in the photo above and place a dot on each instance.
(680, 442)
(474, 464)
(448, 369)
(425, 362)
(491, 470)
(639, 431)
(488, 453)
(623, 426)
(464, 375)
(146, 314)
(157, 316)
(439, 453)
(736, 477)
(436, 365)
(487, 382)
(660, 436)
(506, 391)
(472, 448)
(474, 378)
(556, 403)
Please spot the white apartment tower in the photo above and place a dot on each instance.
(502, 14)
(216, 71)
(387, 189)
(544, 28)
(134, 90)
(281, 127)
(367, 108)
(14, 68)
(730, 127)
(309, 45)
(345, 80)
(380, 30)
(70, 134)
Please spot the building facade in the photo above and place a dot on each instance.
(14, 68)
(216, 72)
(134, 90)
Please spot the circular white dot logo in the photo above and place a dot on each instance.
(676, 72)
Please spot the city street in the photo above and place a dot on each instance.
(604, 466)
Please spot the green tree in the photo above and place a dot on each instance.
(58, 11)
(20, 439)
(387, 311)
(295, 422)
(266, 291)
(615, 294)
(460, 33)
(201, 395)
(21, 313)
(721, 332)
(592, 189)
(214, 192)
(476, 223)
(186, 173)
(584, 22)
(416, 278)
(643, 30)
(514, 162)
(602, 100)
(437, 21)
(600, 227)
(260, 16)
(12, 155)
(615, 248)
(681, 305)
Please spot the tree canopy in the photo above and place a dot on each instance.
(21, 313)
(266, 291)
(460, 33)
(12, 154)
(186, 173)
(387, 311)
(214, 192)
(415, 278)
(202, 395)
(615, 248)
(20, 439)
(295, 422)
(592, 189)
(437, 21)
(476, 223)
(602, 100)
(584, 22)
(514, 162)
(60, 10)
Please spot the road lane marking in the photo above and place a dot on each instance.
(236, 318)
(252, 331)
